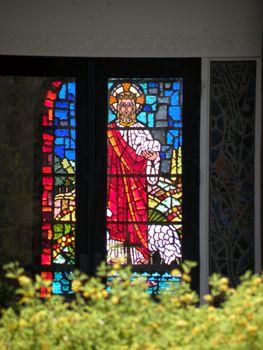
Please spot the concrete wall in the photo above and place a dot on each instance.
(137, 28)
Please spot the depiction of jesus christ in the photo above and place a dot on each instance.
(133, 168)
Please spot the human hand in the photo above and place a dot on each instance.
(150, 155)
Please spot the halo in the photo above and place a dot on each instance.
(126, 86)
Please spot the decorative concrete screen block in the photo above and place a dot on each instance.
(232, 147)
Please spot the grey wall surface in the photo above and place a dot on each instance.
(20, 106)
(138, 28)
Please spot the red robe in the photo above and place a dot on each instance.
(127, 193)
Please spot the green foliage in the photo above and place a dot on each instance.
(127, 318)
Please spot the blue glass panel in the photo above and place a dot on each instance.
(168, 153)
(146, 274)
(72, 122)
(61, 114)
(61, 132)
(154, 107)
(65, 288)
(156, 274)
(175, 113)
(61, 283)
(175, 99)
(147, 108)
(56, 288)
(72, 145)
(144, 87)
(150, 99)
(73, 134)
(135, 274)
(59, 141)
(59, 151)
(109, 85)
(70, 155)
(156, 282)
(163, 285)
(176, 143)
(71, 97)
(67, 143)
(57, 276)
(142, 117)
(72, 106)
(153, 84)
(111, 116)
(168, 93)
(171, 135)
(170, 123)
(72, 88)
(151, 120)
(62, 93)
(72, 113)
(176, 86)
(61, 104)
(166, 274)
(169, 138)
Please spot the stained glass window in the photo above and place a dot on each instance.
(144, 177)
(58, 184)
(151, 240)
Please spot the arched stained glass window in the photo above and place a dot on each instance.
(58, 185)
(144, 181)
(144, 186)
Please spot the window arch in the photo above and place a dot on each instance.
(58, 184)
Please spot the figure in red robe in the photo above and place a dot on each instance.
(133, 166)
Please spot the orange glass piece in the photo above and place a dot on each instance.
(47, 209)
(44, 291)
(46, 276)
(126, 86)
(49, 234)
(51, 95)
(50, 114)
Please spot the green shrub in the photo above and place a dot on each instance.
(127, 318)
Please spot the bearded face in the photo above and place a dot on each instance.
(126, 111)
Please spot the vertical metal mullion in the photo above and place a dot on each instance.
(258, 143)
(204, 176)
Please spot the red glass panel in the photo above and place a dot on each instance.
(46, 169)
(45, 259)
(48, 137)
(48, 103)
(45, 120)
(47, 180)
(56, 83)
